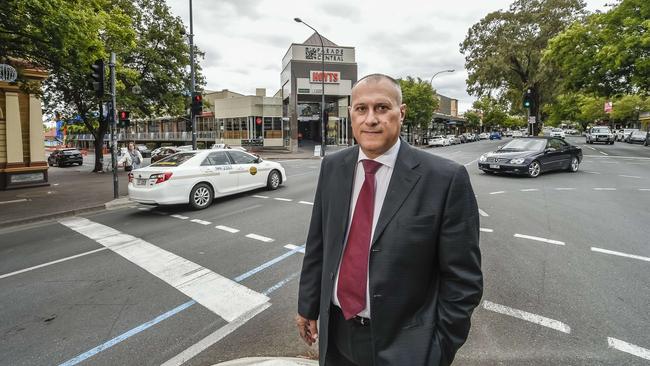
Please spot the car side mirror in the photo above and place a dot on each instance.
(548, 150)
(258, 159)
(499, 147)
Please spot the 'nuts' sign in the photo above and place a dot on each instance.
(331, 77)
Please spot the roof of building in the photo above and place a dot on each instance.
(314, 40)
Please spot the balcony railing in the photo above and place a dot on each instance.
(152, 136)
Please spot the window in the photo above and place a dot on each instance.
(555, 144)
(240, 157)
(175, 160)
(216, 158)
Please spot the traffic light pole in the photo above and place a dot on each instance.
(192, 114)
(113, 119)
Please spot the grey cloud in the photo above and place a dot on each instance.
(341, 10)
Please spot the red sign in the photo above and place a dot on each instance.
(331, 77)
(258, 121)
(608, 107)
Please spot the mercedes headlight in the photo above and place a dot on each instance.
(483, 158)
(517, 161)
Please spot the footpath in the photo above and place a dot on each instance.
(75, 190)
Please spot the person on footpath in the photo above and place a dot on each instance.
(392, 266)
(132, 159)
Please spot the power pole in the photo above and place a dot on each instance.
(192, 114)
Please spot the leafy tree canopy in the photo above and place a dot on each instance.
(418, 95)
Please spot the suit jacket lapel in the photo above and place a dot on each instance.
(402, 181)
(345, 179)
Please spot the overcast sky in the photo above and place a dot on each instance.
(244, 40)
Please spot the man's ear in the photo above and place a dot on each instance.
(402, 112)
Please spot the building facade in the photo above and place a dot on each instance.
(301, 83)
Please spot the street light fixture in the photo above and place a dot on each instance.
(439, 72)
(322, 78)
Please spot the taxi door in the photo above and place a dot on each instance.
(218, 170)
(246, 170)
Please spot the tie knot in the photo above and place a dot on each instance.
(371, 166)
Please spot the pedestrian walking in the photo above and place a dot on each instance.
(392, 264)
(132, 159)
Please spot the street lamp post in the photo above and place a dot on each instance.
(322, 78)
(436, 74)
(192, 114)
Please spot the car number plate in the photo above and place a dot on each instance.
(495, 166)
(141, 182)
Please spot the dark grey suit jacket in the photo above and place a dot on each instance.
(425, 267)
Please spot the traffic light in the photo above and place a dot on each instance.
(528, 99)
(197, 103)
(123, 119)
(97, 75)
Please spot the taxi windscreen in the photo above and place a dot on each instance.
(175, 160)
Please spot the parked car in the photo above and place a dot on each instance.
(144, 151)
(623, 134)
(532, 156)
(453, 140)
(63, 157)
(483, 136)
(197, 177)
(637, 137)
(439, 141)
(517, 134)
(495, 136)
(163, 152)
(599, 134)
(558, 132)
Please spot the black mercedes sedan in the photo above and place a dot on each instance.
(532, 156)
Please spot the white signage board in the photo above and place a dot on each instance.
(531, 119)
(316, 150)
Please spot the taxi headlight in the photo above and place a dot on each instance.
(483, 158)
(517, 161)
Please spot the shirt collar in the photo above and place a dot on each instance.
(388, 158)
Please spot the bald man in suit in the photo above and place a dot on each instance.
(392, 263)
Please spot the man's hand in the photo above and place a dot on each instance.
(308, 329)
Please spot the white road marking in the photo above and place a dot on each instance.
(485, 230)
(498, 192)
(629, 176)
(144, 208)
(628, 348)
(259, 237)
(618, 157)
(180, 217)
(202, 222)
(591, 148)
(215, 337)
(283, 199)
(471, 162)
(14, 201)
(644, 189)
(564, 189)
(607, 251)
(483, 213)
(604, 153)
(50, 263)
(604, 189)
(529, 190)
(608, 162)
(536, 238)
(588, 172)
(224, 297)
(529, 317)
(306, 203)
(258, 196)
(226, 228)
(294, 247)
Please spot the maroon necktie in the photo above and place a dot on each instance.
(354, 266)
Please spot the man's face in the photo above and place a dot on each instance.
(376, 116)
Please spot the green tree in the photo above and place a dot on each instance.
(591, 110)
(503, 51)
(564, 107)
(494, 113)
(473, 119)
(418, 95)
(608, 54)
(627, 108)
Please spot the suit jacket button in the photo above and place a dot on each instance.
(331, 275)
(376, 250)
(376, 296)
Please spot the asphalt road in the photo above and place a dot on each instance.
(565, 258)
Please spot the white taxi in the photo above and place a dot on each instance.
(197, 177)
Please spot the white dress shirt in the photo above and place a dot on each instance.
(382, 179)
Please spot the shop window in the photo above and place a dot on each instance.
(273, 127)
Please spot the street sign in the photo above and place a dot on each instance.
(531, 119)
(316, 150)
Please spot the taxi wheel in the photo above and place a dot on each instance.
(273, 182)
(201, 196)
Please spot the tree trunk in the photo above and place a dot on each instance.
(99, 148)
